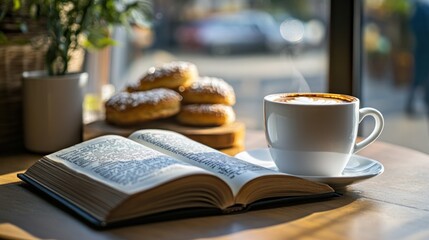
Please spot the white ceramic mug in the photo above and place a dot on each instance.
(314, 134)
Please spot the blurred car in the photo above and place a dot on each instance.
(249, 30)
(228, 33)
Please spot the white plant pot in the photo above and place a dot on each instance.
(52, 110)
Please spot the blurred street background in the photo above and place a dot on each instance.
(268, 46)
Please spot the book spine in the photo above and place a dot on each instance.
(233, 209)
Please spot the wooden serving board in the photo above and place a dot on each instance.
(222, 137)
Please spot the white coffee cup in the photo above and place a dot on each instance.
(314, 134)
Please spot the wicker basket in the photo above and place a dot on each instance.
(14, 59)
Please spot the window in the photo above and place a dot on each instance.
(393, 30)
(263, 47)
(258, 47)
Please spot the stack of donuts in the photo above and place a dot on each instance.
(207, 101)
(173, 89)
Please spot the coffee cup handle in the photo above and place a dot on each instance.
(379, 124)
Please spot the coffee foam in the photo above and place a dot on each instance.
(312, 100)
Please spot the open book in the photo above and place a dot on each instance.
(111, 180)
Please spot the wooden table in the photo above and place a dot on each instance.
(394, 205)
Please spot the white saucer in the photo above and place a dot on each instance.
(358, 168)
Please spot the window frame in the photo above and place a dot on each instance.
(345, 47)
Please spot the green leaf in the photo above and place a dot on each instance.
(99, 43)
(98, 38)
(16, 5)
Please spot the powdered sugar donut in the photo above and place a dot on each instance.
(170, 75)
(132, 108)
(206, 115)
(209, 90)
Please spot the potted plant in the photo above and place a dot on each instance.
(52, 99)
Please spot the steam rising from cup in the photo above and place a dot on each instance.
(293, 31)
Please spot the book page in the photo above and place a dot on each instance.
(232, 170)
(123, 164)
